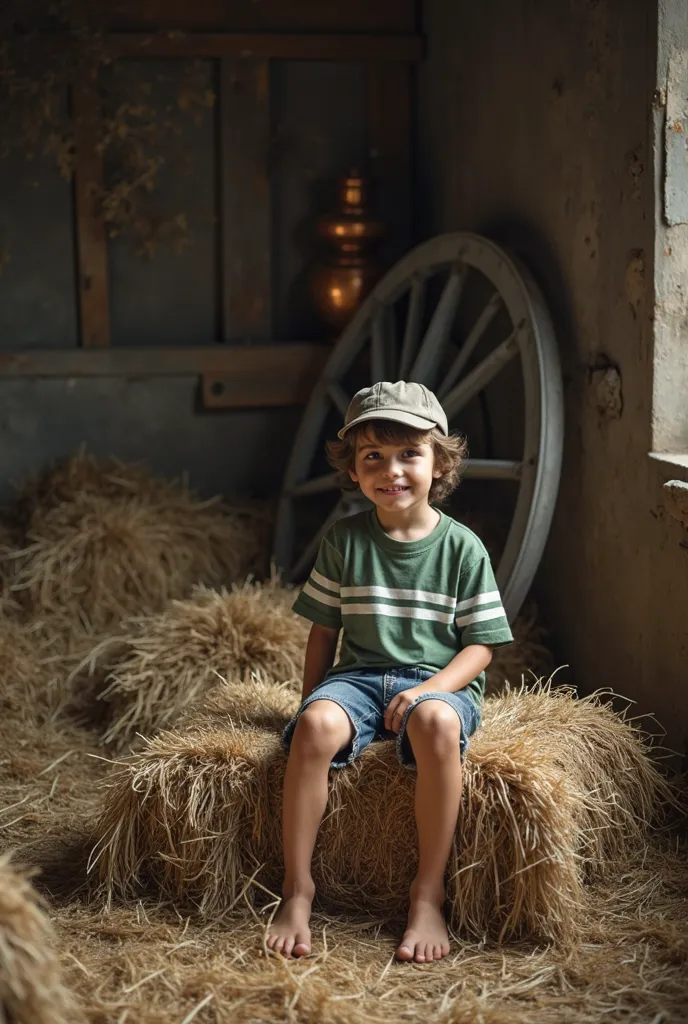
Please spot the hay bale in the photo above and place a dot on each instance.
(256, 704)
(37, 657)
(31, 989)
(163, 663)
(24, 678)
(554, 787)
(8, 545)
(103, 541)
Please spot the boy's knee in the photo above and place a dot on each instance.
(322, 729)
(435, 724)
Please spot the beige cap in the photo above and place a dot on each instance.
(403, 402)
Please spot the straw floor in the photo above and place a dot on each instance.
(150, 962)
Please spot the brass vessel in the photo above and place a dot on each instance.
(345, 276)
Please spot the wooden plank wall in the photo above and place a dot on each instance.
(245, 213)
(248, 47)
(92, 261)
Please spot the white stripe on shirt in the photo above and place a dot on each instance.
(492, 595)
(487, 613)
(400, 594)
(323, 581)
(397, 611)
(318, 595)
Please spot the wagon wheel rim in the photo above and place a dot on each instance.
(419, 355)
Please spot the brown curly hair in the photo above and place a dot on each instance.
(449, 452)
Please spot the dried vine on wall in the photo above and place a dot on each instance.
(49, 49)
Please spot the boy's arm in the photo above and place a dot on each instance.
(461, 670)
(320, 652)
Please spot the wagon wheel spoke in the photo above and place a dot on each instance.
(491, 469)
(339, 397)
(383, 355)
(307, 557)
(318, 485)
(413, 324)
(480, 376)
(482, 323)
(431, 350)
(344, 507)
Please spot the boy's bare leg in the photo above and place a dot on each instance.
(322, 730)
(434, 730)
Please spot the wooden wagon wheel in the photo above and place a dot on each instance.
(452, 314)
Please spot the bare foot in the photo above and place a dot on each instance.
(426, 937)
(289, 933)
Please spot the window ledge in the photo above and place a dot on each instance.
(674, 463)
(675, 488)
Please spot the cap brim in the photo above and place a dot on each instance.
(407, 418)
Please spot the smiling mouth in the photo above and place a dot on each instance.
(392, 490)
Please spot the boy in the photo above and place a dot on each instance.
(414, 592)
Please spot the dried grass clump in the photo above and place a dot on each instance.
(168, 661)
(31, 989)
(555, 788)
(104, 541)
(8, 545)
(24, 675)
(257, 704)
(37, 657)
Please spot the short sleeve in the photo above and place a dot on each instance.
(319, 599)
(480, 616)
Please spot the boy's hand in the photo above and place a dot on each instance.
(398, 706)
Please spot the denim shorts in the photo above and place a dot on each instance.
(365, 694)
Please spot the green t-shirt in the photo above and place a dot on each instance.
(404, 603)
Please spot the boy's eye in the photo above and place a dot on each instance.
(372, 455)
(410, 453)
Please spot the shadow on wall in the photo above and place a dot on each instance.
(535, 250)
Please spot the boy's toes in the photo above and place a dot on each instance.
(404, 953)
(301, 949)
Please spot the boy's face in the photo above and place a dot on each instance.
(394, 476)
